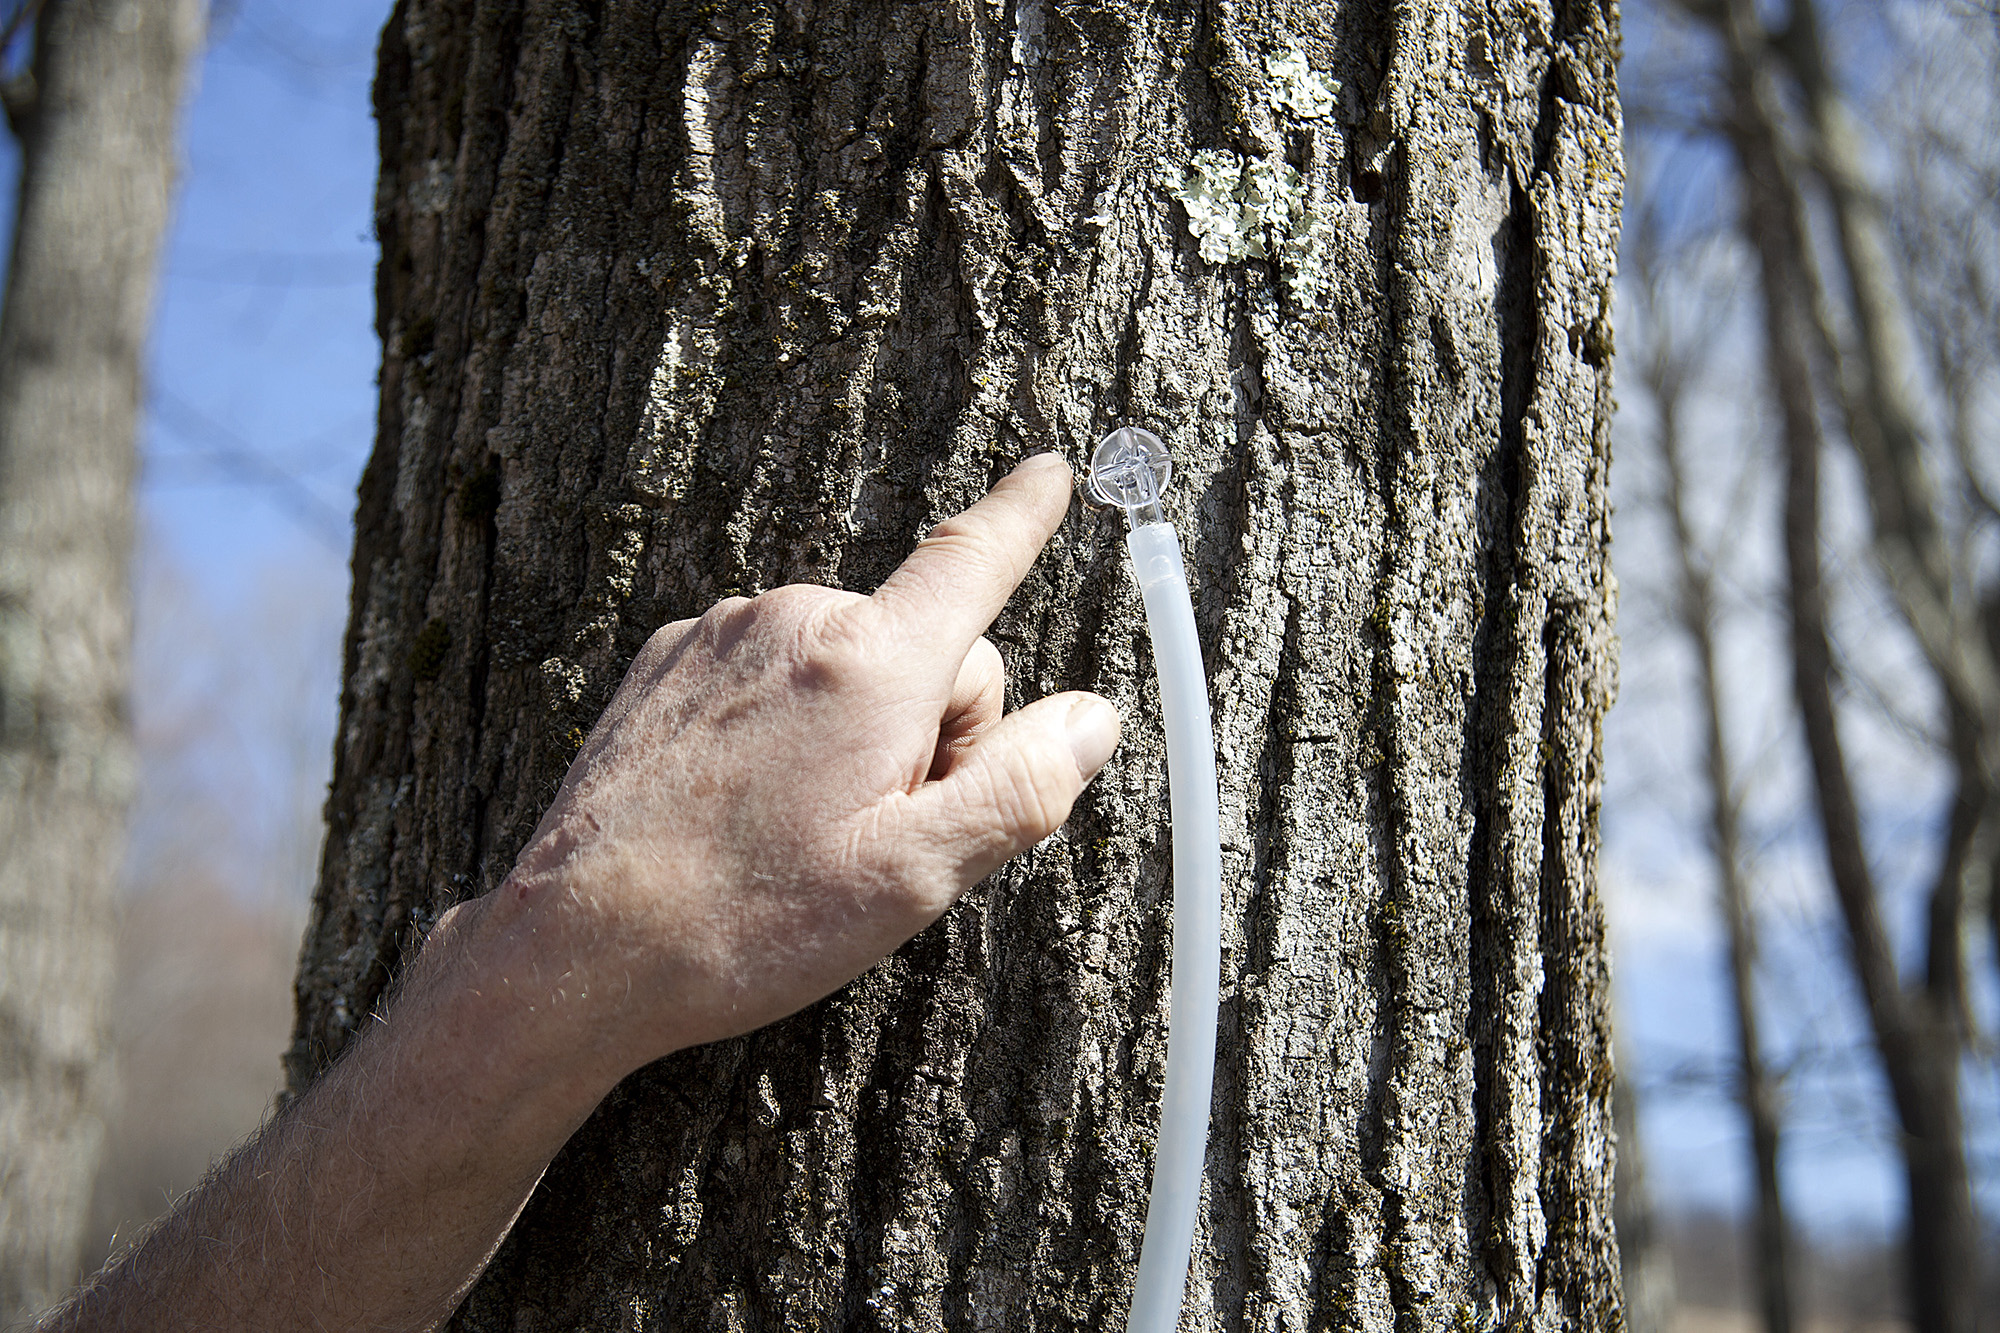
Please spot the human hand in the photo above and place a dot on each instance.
(780, 793)
(785, 790)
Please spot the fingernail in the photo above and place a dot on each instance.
(1042, 460)
(1092, 729)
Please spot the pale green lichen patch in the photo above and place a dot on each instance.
(1232, 201)
(1299, 88)
(1304, 261)
(1259, 207)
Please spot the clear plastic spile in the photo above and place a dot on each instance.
(1130, 469)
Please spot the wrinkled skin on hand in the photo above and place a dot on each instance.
(785, 790)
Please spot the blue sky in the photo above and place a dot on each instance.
(264, 355)
(259, 415)
(259, 418)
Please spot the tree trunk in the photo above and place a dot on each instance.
(96, 116)
(1756, 1089)
(1645, 1264)
(1916, 1028)
(685, 300)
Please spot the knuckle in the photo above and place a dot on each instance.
(835, 663)
(805, 612)
(796, 600)
(662, 641)
(671, 633)
(958, 527)
(1030, 799)
(842, 642)
(986, 658)
(723, 625)
(725, 613)
(967, 539)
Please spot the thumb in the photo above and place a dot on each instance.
(1016, 784)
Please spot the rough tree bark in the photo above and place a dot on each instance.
(95, 114)
(684, 300)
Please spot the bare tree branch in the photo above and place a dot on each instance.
(1777, 232)
(1875, 384)
(247, 465)
(18, 95)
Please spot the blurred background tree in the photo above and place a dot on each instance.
(253, 417)
(1812, 258)
(94, 107)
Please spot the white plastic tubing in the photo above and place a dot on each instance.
(1197, 964)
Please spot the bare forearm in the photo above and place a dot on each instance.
(373, 1201)
(781, 793)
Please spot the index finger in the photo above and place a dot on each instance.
(958, 578)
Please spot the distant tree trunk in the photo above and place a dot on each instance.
(684, 300)
(1919, 1028)
(1756, 1089)
(96, 116)
(1645, 1264)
